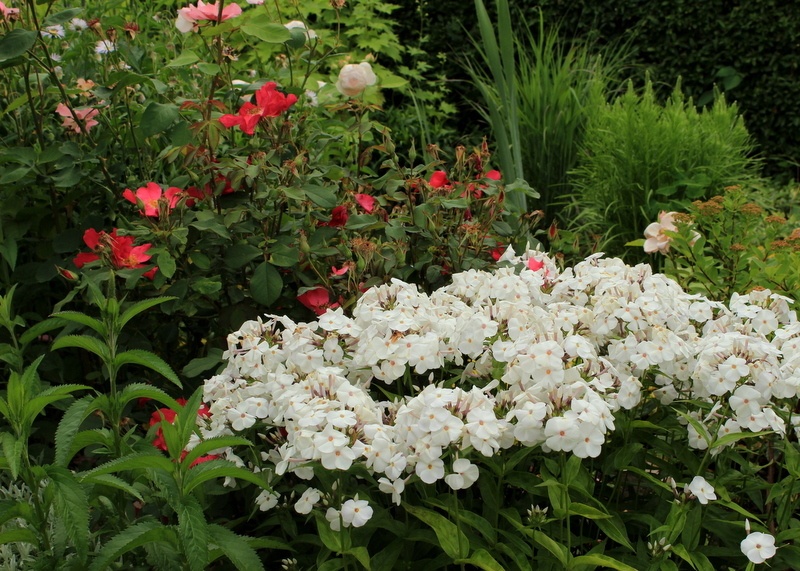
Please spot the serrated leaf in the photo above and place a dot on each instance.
(91, 344)
(143, 391)
(10, 509)
(68, 428)
(33, 332)
(114, 482)
(451, 539)
(193, 532)
(213, 469)
(237, 548)
(21, 535)
(149, 360)
(129, 539)
(95, 437)
(186, 421)
(71, 506)
(35, 406)
(266, 284)
(135, 461)
(210, 444)
(141, 306)
(13, 451)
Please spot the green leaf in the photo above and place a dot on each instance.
(603, 561)
(16, 42)
(451, 539)
(21, 535)
(186, 421)
(321, 196)
(238, 255)
(284, 257)
(587, 511)
(213, 469)
(330, 539)
(166, 264)
(193, 532)
(157, 117)
(129, 539)
(481, 558)
(114, 482)
(68, 428)
(71, 506)
(614, 528)
(141, 306)
(91, 344)
(263, 28)
(63, 16)
(187, 57)
(558, 550)
(144, 391)
(136, 461)
(361, 554)
(149, 360)
(35, 406)
(45, 326)
(215, 443)
(237, 548)
(200, 365)
(13, 450)
(266, 284)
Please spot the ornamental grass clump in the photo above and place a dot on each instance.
(591, 391)
(640, 156)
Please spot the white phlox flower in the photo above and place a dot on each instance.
(701, 489)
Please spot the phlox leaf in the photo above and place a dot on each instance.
(480, 558)
(601, 560)
(451, 539)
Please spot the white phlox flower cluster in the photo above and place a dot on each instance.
(521, 356)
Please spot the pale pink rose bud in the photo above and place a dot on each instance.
(354, 78)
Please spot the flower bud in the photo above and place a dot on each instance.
(354, 78)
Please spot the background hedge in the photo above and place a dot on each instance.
(750, 49)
